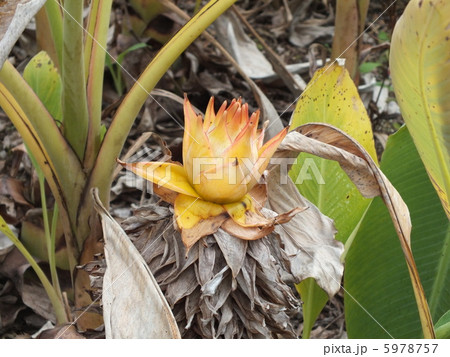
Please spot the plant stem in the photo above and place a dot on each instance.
(56, 26)
(63, 183)
(75, 111)
(53, 244)
(57, 303)
(48, 239)
(49, 235)
(94, 57)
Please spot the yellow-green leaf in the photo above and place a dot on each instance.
(331, 97)
(43, 77)
(420, 68)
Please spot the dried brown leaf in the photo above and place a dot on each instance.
(202, 229)
(143, 314)
(332, 147)
(246, 233)
(308, 237)
(233, 250)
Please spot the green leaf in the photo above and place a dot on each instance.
(135, 47)
(43, 77)
(367, 67)
(383, 36)
(420, 67)
(443, 326)
(314, 299)
(379, 299)
(332, 98)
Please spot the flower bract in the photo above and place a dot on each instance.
(224, 157)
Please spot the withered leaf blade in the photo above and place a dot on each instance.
(331, 143)
(246, 233)
(14, 17)
(337, 148)
(144, 313)
(233, 250)
(308, 237)
(203, 228)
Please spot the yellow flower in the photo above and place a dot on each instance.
(223, 155)
(224, 158)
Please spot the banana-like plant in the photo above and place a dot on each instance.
(72, 151)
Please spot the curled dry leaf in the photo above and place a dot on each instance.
(308, 238)
(142, 314)
(14, 17)
(331, 143)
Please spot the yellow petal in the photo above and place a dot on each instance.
(210, 116)
(168, 175)
(264, 155)
(194, 137)
(219, 179)
(260, 134)
(231, 110)
(218, 137)
(236, 123)
(219, 114)
(245, 144)
(237, 210)
(189, 211)
(195, 142)
(269, 148)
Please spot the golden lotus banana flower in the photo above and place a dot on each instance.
(224, 158)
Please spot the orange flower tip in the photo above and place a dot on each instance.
(282, 134)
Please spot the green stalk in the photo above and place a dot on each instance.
(56, 26)
(57, 303)
(75, 112)
(40, 126)
(52, 255)
(94, 56)
(50, 243)
(115, 137)
(48, 239)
